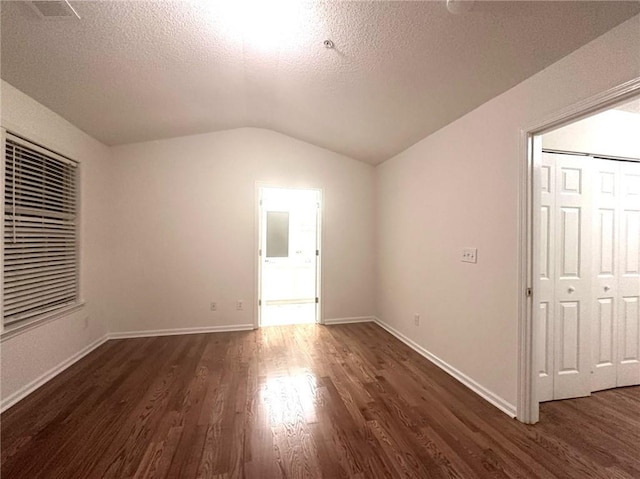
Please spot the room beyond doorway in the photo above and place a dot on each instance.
(289, 255)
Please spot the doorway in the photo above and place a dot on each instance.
(576, 339)
(289, 256)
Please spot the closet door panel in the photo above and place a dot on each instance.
(628, 339)
(604, 290)
(572, 285)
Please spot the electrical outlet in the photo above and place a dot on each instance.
(416, 319)
(214, 306)
(469, 255)
(240, 305)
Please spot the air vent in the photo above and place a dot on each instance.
(54, 9)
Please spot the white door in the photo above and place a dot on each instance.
(605, 291)
(588, 326)
(629, 280)
(572, 271)
(546, 282)
(564, 285)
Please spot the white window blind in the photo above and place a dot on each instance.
(40, 258)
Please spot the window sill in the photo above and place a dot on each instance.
(17, 329)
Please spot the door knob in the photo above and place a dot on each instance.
(607, 288)
(571, 289)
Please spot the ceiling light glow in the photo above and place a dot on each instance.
(263, 25)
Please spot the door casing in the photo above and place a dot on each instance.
(257, 242)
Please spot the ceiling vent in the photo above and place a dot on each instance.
(54, 10)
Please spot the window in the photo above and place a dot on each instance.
(40, 254)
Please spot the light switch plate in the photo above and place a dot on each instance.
(469, 255)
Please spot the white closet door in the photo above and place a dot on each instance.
(604, 330)
(572, 366)
(546, 281)
(629, 279)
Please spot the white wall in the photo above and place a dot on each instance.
(31, 354)
(186, 225)
(612, 133)
(459, 187)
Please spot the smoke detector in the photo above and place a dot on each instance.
(54, 9)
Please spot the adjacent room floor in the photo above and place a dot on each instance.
(284, 314)
(299, 401)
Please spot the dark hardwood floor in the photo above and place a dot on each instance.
(299, 401)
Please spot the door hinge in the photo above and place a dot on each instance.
(260, 202)
(260, 252)
(259, 302)
(529, 292)
(317, 252)
(316, 300)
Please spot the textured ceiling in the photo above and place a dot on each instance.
(134, 71)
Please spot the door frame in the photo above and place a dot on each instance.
(528, 406)
(257, 244)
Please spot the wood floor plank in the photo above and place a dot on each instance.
(347, 401)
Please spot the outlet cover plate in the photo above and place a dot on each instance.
(469, 255)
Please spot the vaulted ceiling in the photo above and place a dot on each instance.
(130, 71)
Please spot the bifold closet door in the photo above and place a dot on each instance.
(564, 285)
(616, 285)
(589, 286)
(606, 260)
(628, 337)
(572, 361)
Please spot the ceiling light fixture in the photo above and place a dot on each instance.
(459, 6)
(54, 9)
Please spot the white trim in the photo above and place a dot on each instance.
(50, 374)
(357, 319)
(595, 104)
(257, 263)
(178, 331)
(505, 406)
(320, 256)
(526, 356)
(12, 331)
(528, 404)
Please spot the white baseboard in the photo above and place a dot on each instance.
(23, 392)
(50, 374)
(53, 372)
(491, 397)
(357, 319)
(178, 331)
